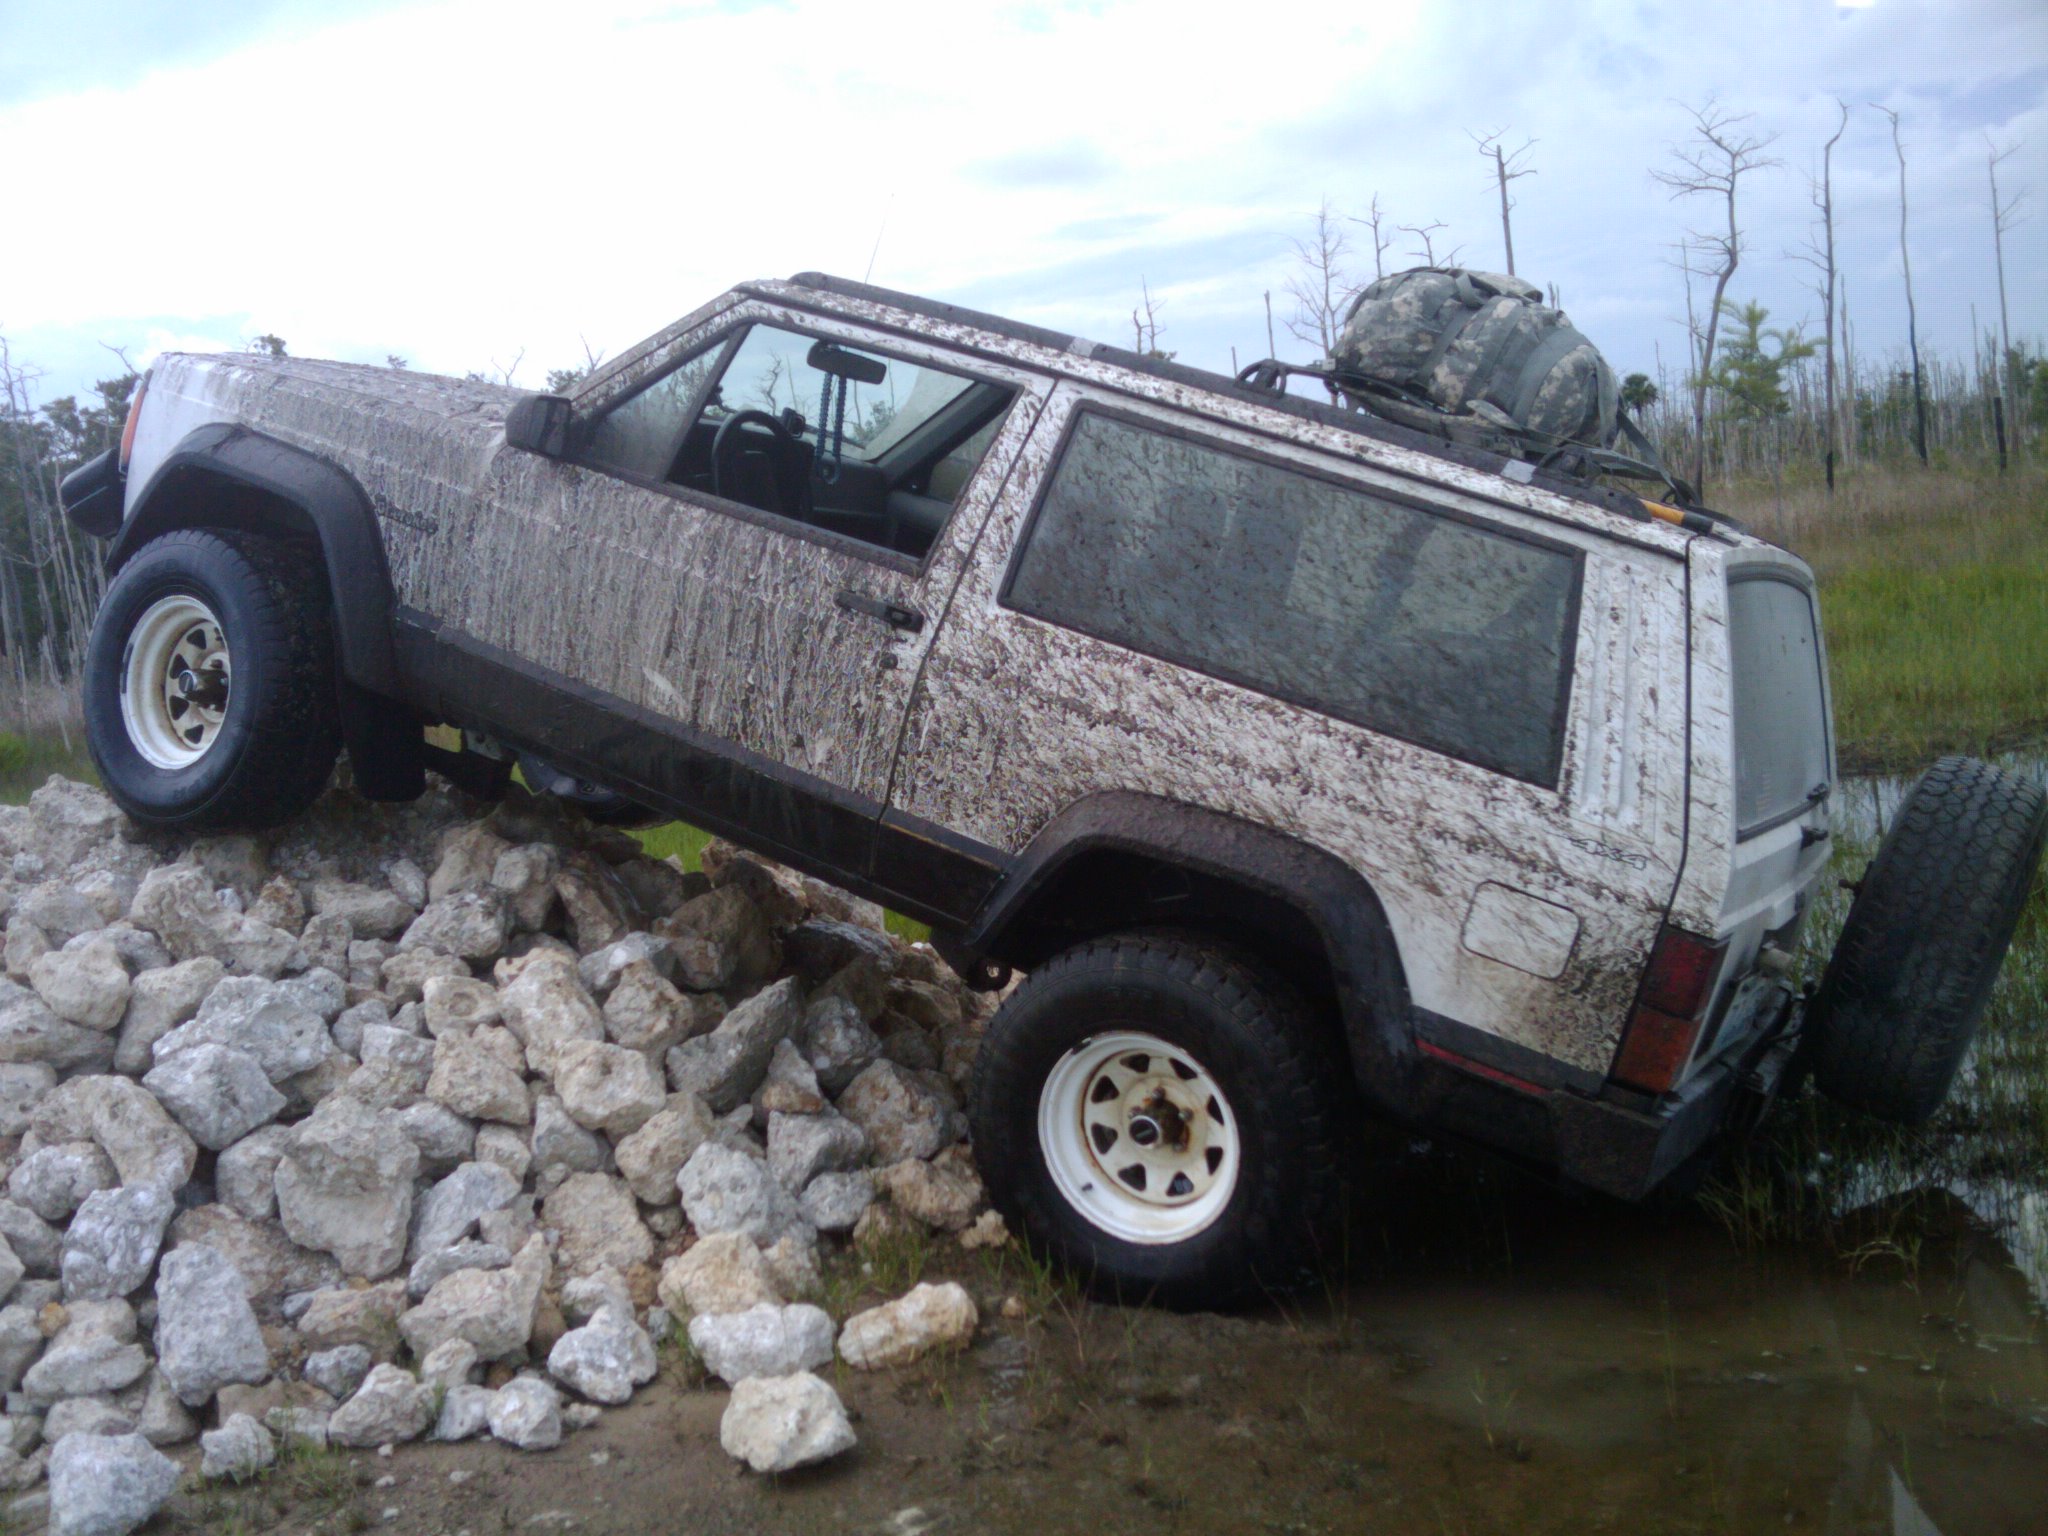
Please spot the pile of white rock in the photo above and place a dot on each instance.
(424, 1122)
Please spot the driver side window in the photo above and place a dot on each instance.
(855, 442)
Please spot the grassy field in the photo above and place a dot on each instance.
(1932, 596)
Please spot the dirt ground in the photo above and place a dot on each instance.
(1491, 1357)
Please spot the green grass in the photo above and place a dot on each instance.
(26, 761)
(681, 840)
(1931, 587)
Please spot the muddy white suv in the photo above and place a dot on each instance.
(1308, 767)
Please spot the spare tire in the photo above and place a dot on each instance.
(1931, 922)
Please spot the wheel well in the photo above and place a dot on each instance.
(1104, 891)
(198, 498)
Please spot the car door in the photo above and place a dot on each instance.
(737, 638)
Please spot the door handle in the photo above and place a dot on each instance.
(895, 615)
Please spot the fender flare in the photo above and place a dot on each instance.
(337, 509)
(1338, 903)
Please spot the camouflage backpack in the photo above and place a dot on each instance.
(1480, 349)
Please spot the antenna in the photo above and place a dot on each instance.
(880, 229)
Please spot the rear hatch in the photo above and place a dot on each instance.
(1780, 741)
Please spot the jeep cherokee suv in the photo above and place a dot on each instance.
(1308, 766)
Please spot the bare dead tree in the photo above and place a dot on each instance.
(1507, 166)
(1375, 216)
(1424, 232)
(1912, 315)
(1712, 164)
(2004, 215)
(1321, 287)
(1820, 254)
(1145, 327)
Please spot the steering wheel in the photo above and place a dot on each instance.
(725, 448)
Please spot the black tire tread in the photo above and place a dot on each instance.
(1279, 1251)
(1934, 914)
(295, 739)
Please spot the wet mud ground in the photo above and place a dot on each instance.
(1498, 1357)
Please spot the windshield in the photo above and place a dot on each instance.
(771, 372)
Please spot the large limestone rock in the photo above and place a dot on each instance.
(472, 925)
(835, 1202)
(458, 1005)
(727, 1065)
(599, 1224)
(945, 1193)
(721, 939)
(527, 1414)
(607, 1087)
(652, 1156)
(177, 904)
(114, 1240)
(610, 1355)
(371, 912)
(800, 1147)
(219, 1094)
(23, 1085)
(207, 1336)
(159, 1002)
(389, 1408)
(475, 1082)
(72, 819)
(94, 1353)
(724, 1190)
(780, 1423)
(267, 1019)
(271, 1265)
(87, 986)
(245, 1173)
(29, 1032)
(493, 1309)
(124, 1121)
(344, 1186)
(721, 1273)
(930, 1317)
(901, 1116)
(451, 1209)
(238, 1450)
(107, 1485)
(545, 1006)
(53, 1181)
(762, 1341)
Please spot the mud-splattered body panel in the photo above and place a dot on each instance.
(1019, 718)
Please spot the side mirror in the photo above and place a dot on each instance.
(842, 364)
(539, 424)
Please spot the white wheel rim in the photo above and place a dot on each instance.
(175, 678)
(1138, 1137)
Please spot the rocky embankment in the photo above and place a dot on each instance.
(434, 1122)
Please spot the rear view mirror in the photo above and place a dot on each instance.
(539, 424)
(842, 364)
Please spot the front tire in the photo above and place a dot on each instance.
(1154, 1114)
(209, 683)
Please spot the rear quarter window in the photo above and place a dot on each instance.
(1781, 720)
(1411, 622)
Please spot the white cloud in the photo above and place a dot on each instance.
(460, 180)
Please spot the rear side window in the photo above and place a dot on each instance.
(1408, 622)
(1781, 723)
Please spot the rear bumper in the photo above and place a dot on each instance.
(1627, 1152)
(93, 494)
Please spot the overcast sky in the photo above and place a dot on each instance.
(461, 181)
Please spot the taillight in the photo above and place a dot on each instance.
(1669, 1010)
(134, 416)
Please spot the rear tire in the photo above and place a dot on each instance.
(1156, 1115)
(1930, 925)
(250, 740)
